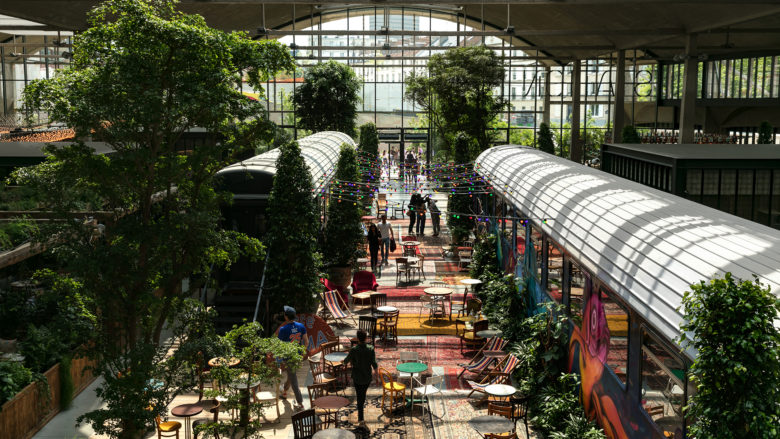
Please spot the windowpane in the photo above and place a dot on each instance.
(554, 272)
(577, 293)
(617, 325)
(663, 381)
(536, 238)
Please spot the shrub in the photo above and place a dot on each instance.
(328, 98)
(765, 133)
(13, 378)
(342, 230)
(66, 383)
(484, 261)
(737, 370)
(545, 139)
(557, 412)
(629, 135)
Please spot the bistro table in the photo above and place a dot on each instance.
(491, 424)
(222, 361)
(331, 403)
(410, 247)
(500, 391)
(334, 433)
(470, 282)
(386, 309)
(363, 262)
(187, 411)
(350, 333)
(335, 357)
(439, 295)
(412, 368)
(490, 333)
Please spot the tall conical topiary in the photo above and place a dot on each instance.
(629, 135)
(459, 205)
(765, 134)
(545, 139)
(292, 273)
(342, 230)
(369, 148)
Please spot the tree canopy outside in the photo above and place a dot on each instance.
(132, 85)
(328, 98)
(458, 94)
(292, 273)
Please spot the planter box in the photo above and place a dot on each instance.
(29, 411)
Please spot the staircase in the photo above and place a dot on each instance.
(235, 303)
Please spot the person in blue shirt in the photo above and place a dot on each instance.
(293, 332)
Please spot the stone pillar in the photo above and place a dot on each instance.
(575, 154)
(546, 97)
(619, 115)
(688, 101)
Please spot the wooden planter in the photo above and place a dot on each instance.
(29, 411)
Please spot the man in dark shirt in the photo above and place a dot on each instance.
(363, 359)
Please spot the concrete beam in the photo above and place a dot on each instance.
(575, 154)
(690, 86)
(618, 115)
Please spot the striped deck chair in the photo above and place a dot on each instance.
(479, 363)
(499, 375)
(333, 305)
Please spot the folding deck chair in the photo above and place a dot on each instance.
(479, 363)
(333, 305)
(499, 375)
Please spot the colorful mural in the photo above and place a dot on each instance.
(604, 397)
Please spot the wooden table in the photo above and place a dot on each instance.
(331, 403)
(186, 411)
(334, 433)
(490, 424)
(222, 361)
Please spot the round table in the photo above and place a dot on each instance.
(500, 390)
(363, 262)
(386, 308)
(412, 368)
(490, 424)
(222, 361)
(490, 333)
(350, 333)
(438, 291)
(334, 433)
(186, 411)
(409, 246)
(470, 282)
(335, 357)
(331, 403)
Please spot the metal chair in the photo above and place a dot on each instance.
(197, 423)
(432, 386)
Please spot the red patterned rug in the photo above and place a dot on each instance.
(437, 351)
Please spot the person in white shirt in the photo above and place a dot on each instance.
(386, 231)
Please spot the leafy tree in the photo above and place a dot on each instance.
(593, 137)
(293, 261)
(521, 136)
(765, 134)
(629, 135)
(459, 205)
(132, 84)
(343, 234)
(546, 139)
(458, 94)
(369, 147)
(485, 258)
(327, 100)
(731, 324)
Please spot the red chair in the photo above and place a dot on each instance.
(329, 286)
(363, 283)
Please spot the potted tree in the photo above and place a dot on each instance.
(343, 233)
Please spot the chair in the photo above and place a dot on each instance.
(316, 391)
(402, 266)
(304, 424)
(391, 389)
(459, 308)
(479, 362)
(319, 374)
(432, 386)
(389, 326)
(407, 357)
(499, 375)
(362, 283)
(377, 300)
(464, 259)
(332, 302)
(428, 302)
(330, 286)
(205, 422)
(418, 266)
(367, 324)
(381, 205)
(166, 427)
(470, 337)
(504, 409)
(269, 396)
(473, 308)
(520, 411)
(398, 209)
(335, 368)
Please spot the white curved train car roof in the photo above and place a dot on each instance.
(320, 151)
(646, 245)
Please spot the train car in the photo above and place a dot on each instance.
(250, 181)
(619, 255)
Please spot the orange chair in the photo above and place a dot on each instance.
(392, 389)
(165, 427)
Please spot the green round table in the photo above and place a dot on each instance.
(411, 368)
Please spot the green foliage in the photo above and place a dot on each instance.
(293, 263)
(258, 363)
(522, 136)
(731, 324)
(369, 148)
(328, 98)
(17, 198)
(343, 233)
(557, 413)
(500, 299)
(458, 94)
(541, 345)
(41, 348)
(629, 135)
(66, 383)
(593, 138)
(484, 260)
(546, 139)
(460, 225)
(16, 232)
(13, 378)
(765, 133)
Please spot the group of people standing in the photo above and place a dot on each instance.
(380, 235)
(418, 206)
(409, 168)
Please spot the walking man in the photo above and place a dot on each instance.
(435, 215)
(363, 359)
(293, 332)
(421, 216)
(386, 231)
